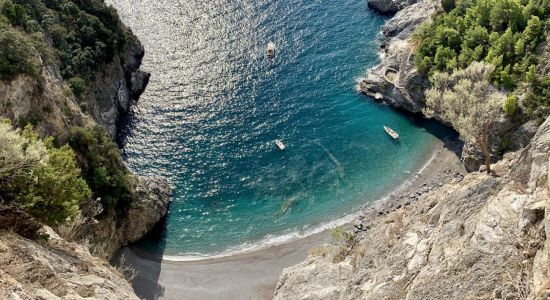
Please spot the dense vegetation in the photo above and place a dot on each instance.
(504, 33)
(78, 37)
(16, 53)
(103, 168)
(85, 34)
(468, 101)
(39, 177)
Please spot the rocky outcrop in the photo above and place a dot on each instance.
(480, 237)
(395, 80)
(56, 269)
(389, 6)
(120, 83)
(106, 234)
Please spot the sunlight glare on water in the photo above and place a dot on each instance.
(216, 103)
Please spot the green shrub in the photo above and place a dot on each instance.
(16, 54)
(41, 178)
(78, 86)
(510, 105)
(103, 167)
(503, 33)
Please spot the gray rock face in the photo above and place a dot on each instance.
(405, 88)
(389, 6)
(523, 135)
(483, 237)
(107, 235)
(48, 104)
(120, 83)
(56, 269)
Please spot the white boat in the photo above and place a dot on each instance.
(270, 49)
(392, 133)
(280, 145)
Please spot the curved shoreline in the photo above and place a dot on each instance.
(295, 235)
(253, 274)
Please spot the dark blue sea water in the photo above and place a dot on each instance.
(216, 103)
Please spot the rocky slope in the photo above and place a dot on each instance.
(481, 237)
(56, 269)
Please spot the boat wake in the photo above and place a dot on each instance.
(336, 162)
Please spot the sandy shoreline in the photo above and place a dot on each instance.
(254, 274)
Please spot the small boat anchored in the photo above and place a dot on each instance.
(270, 49)
(391, 133)
(280, 145)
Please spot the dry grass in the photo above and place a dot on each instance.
(319, 251)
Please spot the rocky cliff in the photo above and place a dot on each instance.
(118, 84)
(46, 102)
(58, 264)
(105, 234)
(480, 237)
(395, 81)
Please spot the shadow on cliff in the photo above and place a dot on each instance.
(141, 263)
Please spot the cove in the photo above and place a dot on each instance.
(216, 103)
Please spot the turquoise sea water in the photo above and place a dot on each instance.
(216, 103)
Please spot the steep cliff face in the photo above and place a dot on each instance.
(483, 237)
(118, 84)
(47, 102)
(63, 267)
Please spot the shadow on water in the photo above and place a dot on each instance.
(142, 264)
(445, 134)
(125, 125)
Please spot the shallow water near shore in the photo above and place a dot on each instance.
(215, 104)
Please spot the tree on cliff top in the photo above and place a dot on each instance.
(469, 102)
